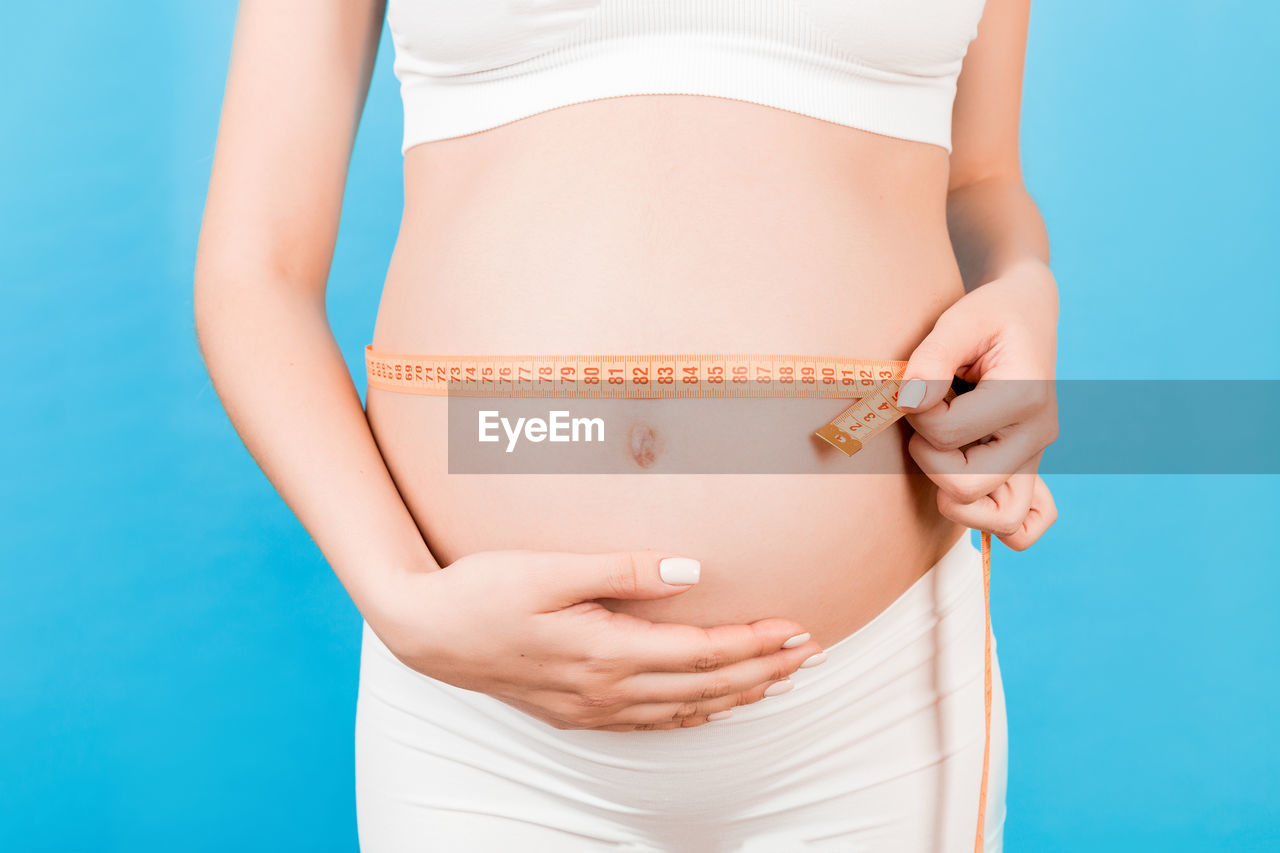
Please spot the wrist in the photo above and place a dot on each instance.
(1028, 269)
(1024, 290)
(378, 585)
(407, 609)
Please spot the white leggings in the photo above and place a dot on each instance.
(878, 749)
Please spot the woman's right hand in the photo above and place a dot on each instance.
(525, 628)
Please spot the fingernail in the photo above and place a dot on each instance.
(779, 687)
(797, 640)
(911, 392)
(680, 571)
(814, 660)
(720, 715)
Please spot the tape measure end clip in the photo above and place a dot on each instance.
(839, 439)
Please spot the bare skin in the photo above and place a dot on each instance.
(550, 235)
(634, 224)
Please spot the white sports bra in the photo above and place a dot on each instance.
(887, 66)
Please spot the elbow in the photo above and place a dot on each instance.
(232, 298)
(206, 279)
(203, 312)
(218, 296)
(209, 298)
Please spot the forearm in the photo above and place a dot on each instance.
(285, 386)
(995, 226)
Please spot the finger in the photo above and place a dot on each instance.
(951, 345)
(993, 405)
(1040, 517)
(565, 723)
(968, 474)
(666, 713)
(671, 647)
(564, 579)
(686, 723)
(631, 703)
(690, 688)
(1002, 512)
(710, 710)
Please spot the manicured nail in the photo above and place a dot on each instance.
(720, 715)
(911, 392)
(779, 687)
(814, 660)
(797, 640)
(680, 571)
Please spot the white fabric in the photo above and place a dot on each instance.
(887, 66)
(877, 749)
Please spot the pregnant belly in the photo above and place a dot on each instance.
(678, 224)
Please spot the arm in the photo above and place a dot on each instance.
(984, 448)
(521, 626)
(300, 70)
(995, 225)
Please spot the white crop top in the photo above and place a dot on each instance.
(887, 66)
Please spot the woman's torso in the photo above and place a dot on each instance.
(676, 223)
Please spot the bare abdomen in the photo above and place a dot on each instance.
(677, 224)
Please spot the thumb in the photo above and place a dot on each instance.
(951, 345)
(571, 578)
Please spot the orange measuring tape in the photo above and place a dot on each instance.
(871, 384)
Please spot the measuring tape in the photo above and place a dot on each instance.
(871, 384)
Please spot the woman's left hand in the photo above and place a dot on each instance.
(983, 448)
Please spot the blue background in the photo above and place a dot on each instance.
(177, 663)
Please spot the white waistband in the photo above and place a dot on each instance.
(936, 625)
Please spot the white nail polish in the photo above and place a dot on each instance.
(720, 715)
(911, 392)
(680, 571)
(779, 687)
(813, 660)
(797, 640)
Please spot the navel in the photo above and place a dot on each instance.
(644, 445)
